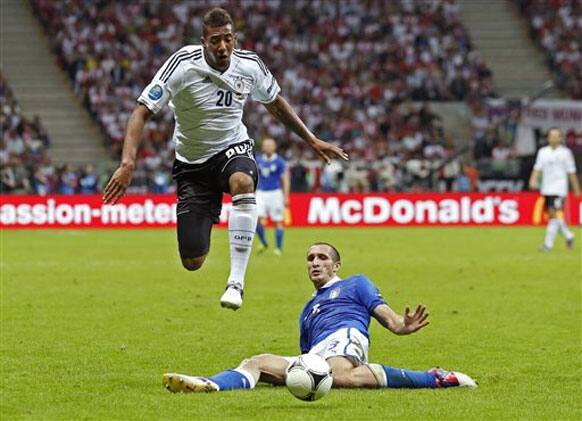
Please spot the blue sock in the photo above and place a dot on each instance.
(261, 233)
(231, 380)
(279, 238)
(399, 378)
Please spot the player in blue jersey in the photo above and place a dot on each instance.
(334, 325)
(272, 193)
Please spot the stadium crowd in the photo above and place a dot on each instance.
(24, 159)
(556, 26)
(349, 68)
(23, 148)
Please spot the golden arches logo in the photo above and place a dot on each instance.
(539, 215)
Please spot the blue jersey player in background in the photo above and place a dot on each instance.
(334, 325)
(272, 193)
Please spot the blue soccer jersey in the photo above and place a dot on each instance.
(347, 303)
(270, 170)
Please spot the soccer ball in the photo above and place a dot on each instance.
(309, 378)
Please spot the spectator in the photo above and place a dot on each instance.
(68, 180)
(23, 146)
(88, 180)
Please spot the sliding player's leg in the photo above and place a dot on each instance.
(346, 375)
(266, 368)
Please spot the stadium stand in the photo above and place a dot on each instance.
(26, 164)
(555, 26)
(349, 68)
(23, 152)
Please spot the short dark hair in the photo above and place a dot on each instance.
(335, 256)
(217, 17)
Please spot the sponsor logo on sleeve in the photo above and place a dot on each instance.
(155, 92)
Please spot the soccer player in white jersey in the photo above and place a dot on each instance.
(272, 193)
(206, 86)
(334, 325)
(555, 163)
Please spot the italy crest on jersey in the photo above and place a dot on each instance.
(335, 293)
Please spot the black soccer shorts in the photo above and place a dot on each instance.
(199, 190)
(554, 202)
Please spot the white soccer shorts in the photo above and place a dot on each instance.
(347, 342)
(271, 204)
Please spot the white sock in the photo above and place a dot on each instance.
(242, 224)
(551, 231)
(564, 229)
(251, 379)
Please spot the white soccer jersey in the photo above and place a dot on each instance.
(208, 104)
(555, 165)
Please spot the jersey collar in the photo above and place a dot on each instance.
(329, 283)
(212, 69)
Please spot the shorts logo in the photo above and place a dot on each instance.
(242, 149)
(335, 293)
(155, 92)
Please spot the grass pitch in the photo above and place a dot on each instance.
(91, 319)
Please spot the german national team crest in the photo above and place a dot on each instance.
(239, 85)
(242, 86)
(335, 293)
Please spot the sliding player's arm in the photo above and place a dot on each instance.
(401, 325)
(121, 178)
(283, 112)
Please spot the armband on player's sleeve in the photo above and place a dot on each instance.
(167, 82)
(155, 96)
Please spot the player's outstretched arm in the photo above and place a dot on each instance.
(401, 325)
(121, 178)
(283, 112)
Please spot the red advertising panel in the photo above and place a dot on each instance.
(423, 209)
